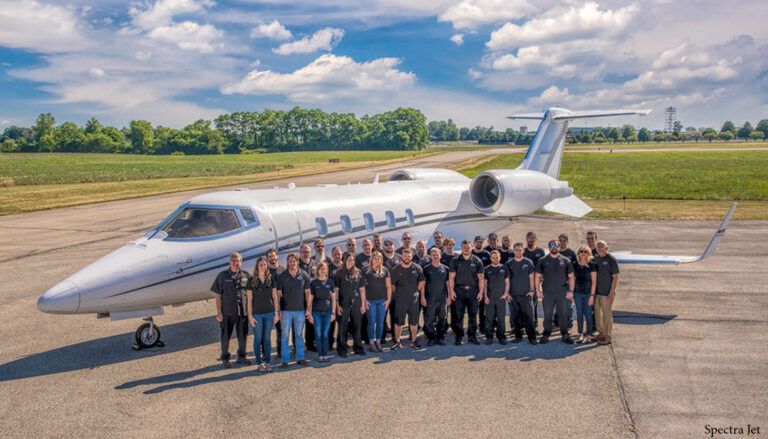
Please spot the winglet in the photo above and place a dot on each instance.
(714, 243)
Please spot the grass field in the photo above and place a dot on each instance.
(654, 183)
(668, 145)
(36, 169)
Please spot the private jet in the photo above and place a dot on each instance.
(176, 261)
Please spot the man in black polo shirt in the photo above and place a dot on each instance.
(506, 249)
(484, 256)
(436, 292)
(605, 292)
(465, 287)
(534, 254)
(391, 257)
(406, 240)
(229, 288)
(521, 290)
(275, 269)
(293, 289)
(570, 254)
(493, 242)
(554, 284)
(437, 240)
(421, 257)
(496, 295)
(308, 264)
(407, 297)
(363, 259)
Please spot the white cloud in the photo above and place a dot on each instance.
(329, 77)
(469, 14)
(551, 96)
(324, 39)
(585, 22)
(273, 31)
(161, 13)
(458, 39)
(189, 36)
(28, 24)
(5, 122)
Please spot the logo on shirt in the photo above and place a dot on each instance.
(605, 262)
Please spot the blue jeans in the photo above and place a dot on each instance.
(583, 313)
(322, 325)
(376, 314)
(295, 320)
(262, 336)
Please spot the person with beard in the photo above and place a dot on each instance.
(351, 246)
(437, 241)
(391, 257)
(436, 293)
(320, 255)
(421, 257)
(229, 288)
(570, 254)
(352, 304)
(493, 243)
(406, 239)
(408, 297)
(445, 258)
(484, 256)
(554, 284)
(308, 264)
(506, 250)
(521, 290)
(465, 288)
(273, 259)
(377, 243)
(533, 253)
(496, 297)
(293, 288)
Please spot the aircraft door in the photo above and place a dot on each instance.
(285, 226)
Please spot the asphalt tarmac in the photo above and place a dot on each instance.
(689, 350)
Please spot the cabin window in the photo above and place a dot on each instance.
(369, 224)
(197, 222)
(346, 224)
(249, 217)
(322, 226)
(391, 222)
(410, 217)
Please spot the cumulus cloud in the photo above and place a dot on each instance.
(327, 78)
(273, 31)
(458, 39)
(189, 36)
(30, 25)
(149, 16)
(551, 96)
(469, 14)
(324, 39)
(587, 21)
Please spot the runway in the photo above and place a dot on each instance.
(690, 349)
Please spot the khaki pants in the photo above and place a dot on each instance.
(604, 316)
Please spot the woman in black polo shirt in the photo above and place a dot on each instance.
(350, 294)
(378, 291)
(263, 312)
(321, 309)
(585, 272)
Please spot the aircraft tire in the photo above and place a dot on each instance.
(145, 337)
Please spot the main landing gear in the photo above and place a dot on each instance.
(147, 336)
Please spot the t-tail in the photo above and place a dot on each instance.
(545, 154)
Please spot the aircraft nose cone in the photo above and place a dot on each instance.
(62, 298)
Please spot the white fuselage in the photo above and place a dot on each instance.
(155, 270)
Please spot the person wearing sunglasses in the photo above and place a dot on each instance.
(554, 285)
(605, 292)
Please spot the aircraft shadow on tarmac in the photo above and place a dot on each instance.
(640, 318)
(110, 350)
(514, 352)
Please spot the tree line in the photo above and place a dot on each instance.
(442, 131)
(268, 131)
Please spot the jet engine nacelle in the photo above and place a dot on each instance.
(512, 192)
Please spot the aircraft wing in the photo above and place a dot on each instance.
(714, 243)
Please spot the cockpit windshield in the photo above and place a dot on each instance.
(196, 222)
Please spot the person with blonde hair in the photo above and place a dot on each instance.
(378, 291)
(585, 272)
(605, 292)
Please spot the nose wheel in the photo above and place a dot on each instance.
(147, 336)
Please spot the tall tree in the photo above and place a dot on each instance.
(728, 126)
(744, 131)
(141, 137)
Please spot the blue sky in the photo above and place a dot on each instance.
(476, 61)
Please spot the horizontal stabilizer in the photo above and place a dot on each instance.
(599, 113)
(571, 206)
(535, 116)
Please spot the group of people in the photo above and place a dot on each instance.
(318, 301)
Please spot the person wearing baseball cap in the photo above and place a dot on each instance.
(554, 285)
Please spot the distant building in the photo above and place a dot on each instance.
(524, 129)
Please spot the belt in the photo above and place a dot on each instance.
(466, 287)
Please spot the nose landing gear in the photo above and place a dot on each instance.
(147, 336)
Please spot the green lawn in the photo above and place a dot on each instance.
(58, 168)
(710, 175)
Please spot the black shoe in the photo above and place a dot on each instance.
(474, 340)
(567, 339)
(457, 342)
(441, 342)
(344, 354)
(416, 345)
(311, 349)
(544, 339)
(360, 352)
(284, 365)
(303, 363)
(243, 361)
(517, 339)
(430, 342)
(225, 363)
(533, 341)
(488, 340)
(503, 341)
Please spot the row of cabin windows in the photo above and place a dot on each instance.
(368, 221)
